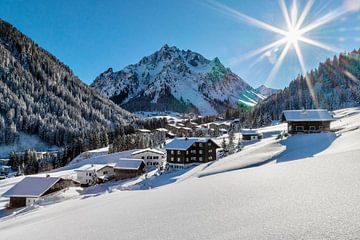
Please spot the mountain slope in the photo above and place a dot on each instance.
(40, 95)
(265, 91)
(173, 80)
(334, 84)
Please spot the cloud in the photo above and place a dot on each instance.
(351, 5)
(271, 55)
(342, 39)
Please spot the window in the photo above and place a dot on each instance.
(172, 159)
(172, 151)
(200, 159)
(156, 157)
(209, 144)
(178, 152)
(210, 157)
(200, 144)
(178, 159)
(105, 172)
(143, 157)
(210, 150)
(321, 128)
(187, 159)
(299, 128)
(193, 151)
(200, 151)
(312, 128)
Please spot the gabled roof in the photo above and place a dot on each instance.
(148, 150)
(128, 164)
(185, 143)
(32, 187)
(311, 115)
(90, 167)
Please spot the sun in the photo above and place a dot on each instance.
(291, 37)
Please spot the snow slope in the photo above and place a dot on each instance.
(302, 187)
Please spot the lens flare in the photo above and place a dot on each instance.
(290, 37)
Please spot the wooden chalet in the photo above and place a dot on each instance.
(307, 121)
(31, 189)
(128, 168)
(251, 134)
(186, 151)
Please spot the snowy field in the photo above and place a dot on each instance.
(303, 187)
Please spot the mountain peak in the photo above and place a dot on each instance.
(172, 79)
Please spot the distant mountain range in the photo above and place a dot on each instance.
(41, 96)
(176, 80)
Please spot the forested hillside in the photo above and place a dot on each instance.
(335, 84)
(40, 95)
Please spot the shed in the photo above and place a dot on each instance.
(251, 134)
(128, 168)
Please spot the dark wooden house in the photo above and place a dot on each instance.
(128, 168)
(186, 151)
(251, 134)
(31, 189)
(307, 121)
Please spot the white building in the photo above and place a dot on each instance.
(92, 173)
(152, 157)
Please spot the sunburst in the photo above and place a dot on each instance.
(290, 37)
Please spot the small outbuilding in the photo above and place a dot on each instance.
(307, 121)
(30, 189)
(251, 134)
(128, 168)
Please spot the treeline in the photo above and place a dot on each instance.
(137, 141)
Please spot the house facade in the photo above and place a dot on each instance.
(307, 121)
(151, 156)
(186, 151)
(251, 134)
(93, 173)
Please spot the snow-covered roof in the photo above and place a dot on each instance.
(128, 164)
(223, 130)
(183, 143)
(143, 130)
(201, 129)
(307, 115)
(249, 132)
(148, 150)
(90, 167)
(31, 187)
(162, 129)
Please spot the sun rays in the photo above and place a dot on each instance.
(290, 37)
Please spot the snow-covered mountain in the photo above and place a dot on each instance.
(173, 80)
(266, 91)
(42, 97)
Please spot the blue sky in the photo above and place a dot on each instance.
(91, 36)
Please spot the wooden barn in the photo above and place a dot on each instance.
(186, 151)
(251, 134)
(30, 189)
(307, 121)
(128, 168)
